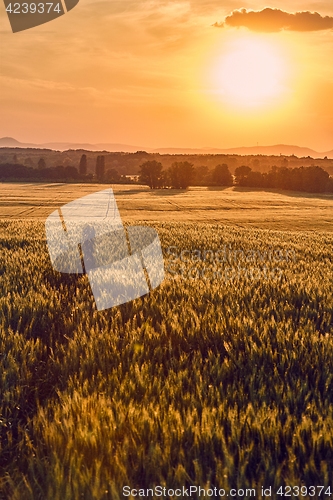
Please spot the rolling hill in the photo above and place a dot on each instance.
(279, 149)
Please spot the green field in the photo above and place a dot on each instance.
(221, 377)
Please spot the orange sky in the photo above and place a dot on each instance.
(158, 74)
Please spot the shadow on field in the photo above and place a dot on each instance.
(167, 192)
(217, 188)
(127, 191)
(53, 185)
(290, 194)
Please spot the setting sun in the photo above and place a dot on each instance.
(251, 74)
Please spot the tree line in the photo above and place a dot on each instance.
(13, 171)
(180, 175)
(307, 179)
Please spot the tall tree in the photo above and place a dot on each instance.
(151, 173)
(41, 164)
(201, 176)
(181, 174)
(100, 167)
(221, 175)
(83, 165)
(28, 162)
(241, 174)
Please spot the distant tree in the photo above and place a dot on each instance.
(28, 162)
(315, 180)
(151, 173)
(112, 175)
(59, 172)
(254, 179)
(14, 171)
(46, 173)
(221, 175)
(311, 179)
(201, 176)
(255, 163)
(83, 165)
(100, 167)
(15, 159)
(181, 175)
(71, 172)
(164, 179)
(285, 162)
(41, 164)
(241, 174)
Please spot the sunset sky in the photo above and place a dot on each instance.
(175, 73)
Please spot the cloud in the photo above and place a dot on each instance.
(270, 20)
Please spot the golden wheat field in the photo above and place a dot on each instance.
(231, 206)
(221, 378)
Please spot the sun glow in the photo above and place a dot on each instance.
(250, 74)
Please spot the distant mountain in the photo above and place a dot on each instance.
(280, 149)
(9, 142)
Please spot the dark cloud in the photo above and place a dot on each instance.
(271, 20)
